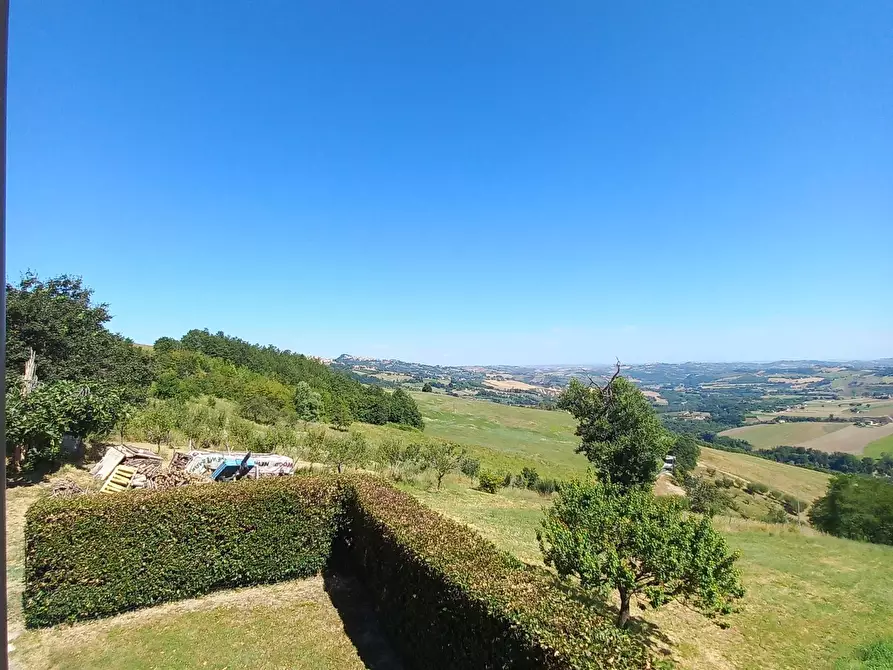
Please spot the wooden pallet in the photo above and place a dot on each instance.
(119, 480)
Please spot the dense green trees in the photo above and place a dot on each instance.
(645, 548)
(856, 507)
(367, 403)
(308, 403)
(621, 435)
(67, 331)
(687, 451)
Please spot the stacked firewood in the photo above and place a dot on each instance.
(66, 488)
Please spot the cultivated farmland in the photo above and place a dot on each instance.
(824, 436)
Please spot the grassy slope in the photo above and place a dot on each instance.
(811, 598)
(776, 434)
(545, 437)
(881, 446)
(800, 482)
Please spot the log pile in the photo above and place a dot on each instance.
(66, 488)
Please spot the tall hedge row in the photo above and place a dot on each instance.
(99, 555)
(448, 598)
(451, 599)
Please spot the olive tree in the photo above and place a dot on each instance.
(647, 549)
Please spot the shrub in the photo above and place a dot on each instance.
(776, 515)
(98, 555)
(451, 599)
(725, 482)
(777, 495)
(529, 477)
(756, 487)
(545, 486)
(448, 597)
(793, 505)
(489, 482)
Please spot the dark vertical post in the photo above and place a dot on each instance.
(4, 44)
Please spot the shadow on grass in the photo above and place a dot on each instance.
(360, 621)
(649, 634)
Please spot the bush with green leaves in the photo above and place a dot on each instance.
(647, 549)
(470, 467)
(36, 422)
(756, 487)
(705, 497)
(98, 555)
(529, 477)
(776, 515)
(489, 482)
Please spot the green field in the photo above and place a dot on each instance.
(776, 434)
(538, 436)
(811, 598)
(802, 483)
(878, 447)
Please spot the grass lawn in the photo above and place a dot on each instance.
(811, 600)
(776, 434)
(878, 447)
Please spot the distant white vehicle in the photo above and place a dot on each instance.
(669, 464)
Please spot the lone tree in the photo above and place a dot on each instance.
(350, 449)
(621, 435)
(646, 548)
(443, 458)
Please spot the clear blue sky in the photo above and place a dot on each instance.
(465, 182)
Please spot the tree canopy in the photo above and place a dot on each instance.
(646, 548)
(856, 507)
(67, 331)
(621, 435)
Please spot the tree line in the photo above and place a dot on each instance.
(90, 380)
(337, 394)
(806, 457)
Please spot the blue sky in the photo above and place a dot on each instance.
(464, 182)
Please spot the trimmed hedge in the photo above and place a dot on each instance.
(99, 555)
(448, 598)
(451, 599)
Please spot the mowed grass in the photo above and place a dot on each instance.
(879, 447)
(811, 599)
(764, 436)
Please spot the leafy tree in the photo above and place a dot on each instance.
(621, 435)
(315, 442)
(36, 423)
(57, 318)
(349, 449)
(646, 548)
(258, 407)
(341, 417)
(239, 433)
(281, 437)
(705, 497)
(470, 467)
(157, 423)
(776, 515)
(855, 507)
(687, 451)
(426, 387)
(195, 425)
(308, 403)
(443, 458)
(404, 410)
